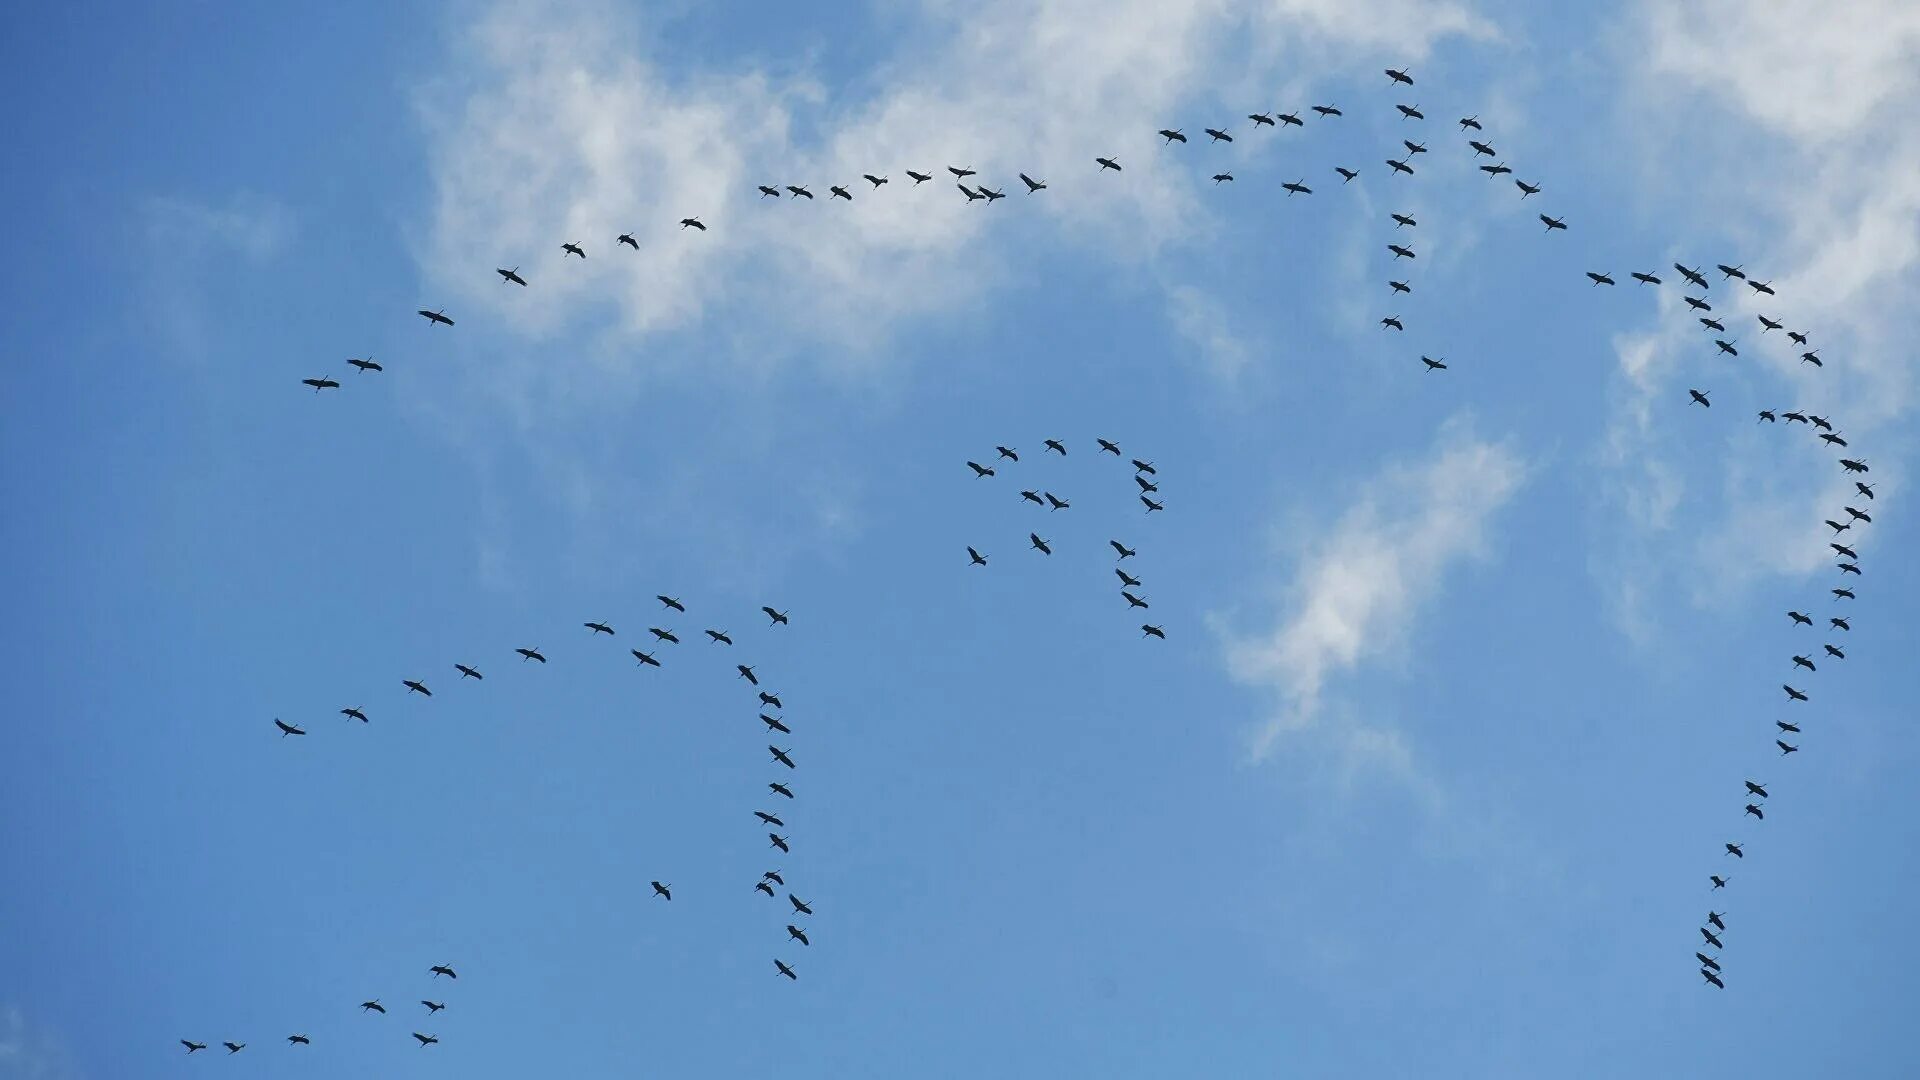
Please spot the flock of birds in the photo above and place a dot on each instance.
(1145, 477)
(1696, 288)
(371, 1005)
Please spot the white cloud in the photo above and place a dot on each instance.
(31, 1052)
(557, 134)
(1820, 189)
(1207, 325)
(1358, 588)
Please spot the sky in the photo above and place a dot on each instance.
(1463, 669)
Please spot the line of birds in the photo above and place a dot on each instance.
(372, 1005)
(1142, 470)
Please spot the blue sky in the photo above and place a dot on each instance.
(1463, 669)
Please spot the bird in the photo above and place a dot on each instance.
(1797, 337)
(1346, 174)
(1481, 148)
(1498, 168)
(1527, 189)
(795, 933)
(286, 729)
(1401, 252)
(354, 714)
(1297, 188)
(979, 470)
(919, 178)
(1145, 484)
(1784, 748)
(778, 841)
(1149, 630)
(1854, 465)
(192, 1046)
(1718, 881)
(1125, 551)
(1849, 568)
(799, 192)
(1645, 279)
(773, 724)
(777, 618)
(1327, 110)
(1734, 850)
(974, 558)
(662, 891)
(763, 887)
(1260, 119)
(1471, 122)
(1403, 221)
(1834, 652)
(1756, 811)
(1553, 223)
(747, 674)
(1700, 397)
(1864, 489)
(1843, 594)
(1010, 455)
(299, 1040)
(364, 365)
(1287, 118)
(1801, 661)
(426, 1040)
(959, 173)
(1218, 135)
(1858, 515)
(1767, 415)
(1842, 549)
(1400, 286)
(1413, 147)
(1399, 76)
(1784, 726)
(780, 789)
(692, 223)
(1142, 466)
(442, 969)
(1109, 163)
(1840, 624)
(1712, 978)
(1039, 544)
(1767, 324)
(1032, 497)
(1726, 346)
(1793, 694)
(780, 756)
(644, 658)
(321, 384)
(771, 699)
(1832, 440)
(572, 249)
(1032, 184)
(1599, 279)
(839, 192)
(435, 317)
(1434, 365)
(1134, 601)
(785, 970)
(1054, 503)
(1126, 579)
(1151, 505)
(1707, 961)
(670, 602)
(511, 276)
(769, 819)
(414, 686)
(627, 238)
(1172, 135)
(373, 1006)
(774, 876)
(1730, 271)
(234, 1047)
(1219, 177)
(469, 673)
(1398, 167)
(1410, 112)
(1694, 277)
(1711, 940)
(598, 627)
(1057, 447)
(799, 905)
(1713, 324)
(876, 181)
(530, 654)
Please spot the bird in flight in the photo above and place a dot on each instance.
(469, 673)
(1109, 163)
(1700, 398)
(747, 674)
(663, 891)
(354, 714)
(1149, 630)
(1346, 174)
(785, 970)
(1399, 76)
(599, 627)
(1327, 110)
(796, 934)
(780, 789)
(1297, 188)
(1011, 455)
(1553, 223)
(321, 384)
(719, 637)
(644, 658)
(1172, 135)
(442, 969)
(692, 223)
(234, 1047)
(627, 238)
(1599, 279)
(780, 756)
(1219, 136)
(974, 558)
(373, 1006)
(426, 1040)
(919, 178)
(299, 1040)
(530, 654)
(778, 618)
(433, 1006)
(1057, 447)
(1039, 544)
(286, 729)
(1645, 279)
(663, 635)
(435, 317)
(364, 365)
(668, 601)
(1032, 184)
(1410, 112)
(192, 1046)
(1125, 551)
(1434, 365)
(573, 249)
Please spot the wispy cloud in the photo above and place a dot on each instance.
(29, 1051)
(1824, 195)
(1209, 326)
(182, 237)
(1359, 588)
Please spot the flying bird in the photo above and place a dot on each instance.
(1126, 579)
(1032, 184)
(1327, 110)
(321, 384)
(1434, 365)
(1057, 447)
(919, 178)
(780, 756)
(1039, 544)
(795, 933)
(1149, 630)
(572, 249)
(959, 173)
(286, 729)
(416, 687)
(530, 654)
(1220, 177)
(1410, 112)
(1399, 76)
(1401, 251)
(1767, 324)
(785, 970)
(426, 1040)
(778, 841)
(691, 223)
(442, 969)
(1734, 850)
(1527, 189)
(1260, 119)
(354, 714)
(1756, 811)
(1752, 789)
(627, 238)
(1346, 174)
(1172, 135)
(1109, 163)
(777, 618)
(1151, 505)
(364, 365)
(1125, 551)
(299, 1040)
(1297, 188)
(1785, 749)
(769, 819)
(1480, 148)
(773, 724)
(876, 181)
(1693, 277)
(511, 276)
(1645, 279)
(1398, 167)
(838, 192)
(799, 192)
(1108, 446)
(644, 658)
(192, 1046)
(1730, 272)
(1599, 279)
(1553, 223)
(1054, 503)
(665, 892)
(1796, 695)
(469, 673)
(598, 627)
(747, 674)
(780, 789)
(234, 1047)
(1700, 397)
(1497, 169)
(1010, 455)
(1219, 136)
(373, 1006)
(979, 470)
(771, 699)
(1134, 601)
(1403, 221)
(435, 317)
